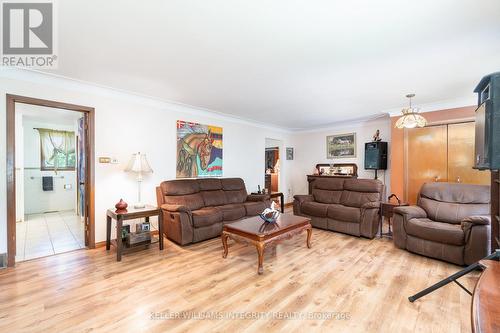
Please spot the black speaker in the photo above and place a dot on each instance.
(376, 155)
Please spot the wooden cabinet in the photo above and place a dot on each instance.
(442, 153)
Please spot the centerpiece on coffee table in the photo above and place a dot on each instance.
(270, 215)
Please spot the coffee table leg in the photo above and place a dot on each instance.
(260, 250)
(309, 234)
(224, 244)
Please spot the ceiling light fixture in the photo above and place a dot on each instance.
(411, 117)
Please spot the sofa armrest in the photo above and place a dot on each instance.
(257, 197)
(174, 208)
(410, 212)
(301, 198)
(371, 205)
(477, 220)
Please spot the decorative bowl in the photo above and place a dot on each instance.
(270, 216)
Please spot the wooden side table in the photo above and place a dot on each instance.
(387, 211)
(276, 195)
(282, 199)
(130, 214)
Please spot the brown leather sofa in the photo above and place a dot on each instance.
(451, 222)
(196, 209)
(349, 206)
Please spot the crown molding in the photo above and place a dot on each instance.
(344, 123)
(34, 76)
(437, 106)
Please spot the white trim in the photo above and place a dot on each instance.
(438, 105)
(346, 123)
(35, 76)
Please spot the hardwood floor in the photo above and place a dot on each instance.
(368, 281)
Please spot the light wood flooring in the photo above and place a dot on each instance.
(366, 281)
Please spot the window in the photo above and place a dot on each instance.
(57, 149)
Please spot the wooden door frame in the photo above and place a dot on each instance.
(11, 167)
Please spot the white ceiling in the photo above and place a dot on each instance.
(293, 64)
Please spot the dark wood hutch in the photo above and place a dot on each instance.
(335, 170)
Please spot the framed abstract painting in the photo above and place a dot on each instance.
(199, 150)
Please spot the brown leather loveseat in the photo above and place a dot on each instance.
(451, 222)
(349, 206)
(196, 209)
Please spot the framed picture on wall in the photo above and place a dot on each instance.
(341, 146)
(289, 153)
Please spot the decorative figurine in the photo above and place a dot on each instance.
(376, 136)
(121, 205)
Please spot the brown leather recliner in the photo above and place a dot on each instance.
(451, 222)
(349, 206)
(196, 209)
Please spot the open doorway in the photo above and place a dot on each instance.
(272, 168)
(49, 178)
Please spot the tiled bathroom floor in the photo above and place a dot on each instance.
(42, 235)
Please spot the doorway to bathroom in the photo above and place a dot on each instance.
(49, 178)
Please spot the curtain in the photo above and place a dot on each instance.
(57, 149)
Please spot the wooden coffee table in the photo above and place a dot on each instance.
(255, 231)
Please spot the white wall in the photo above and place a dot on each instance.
(310, 149)
(19, 168)
(126, 124)
(35, 199)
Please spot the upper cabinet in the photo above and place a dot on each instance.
(487, 140)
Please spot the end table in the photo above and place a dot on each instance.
(130, 214)
(387, 211)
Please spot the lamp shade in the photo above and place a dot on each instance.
(138, 164)
(410, 118)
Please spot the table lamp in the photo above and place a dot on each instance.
(139, 164)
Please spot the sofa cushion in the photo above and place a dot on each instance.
(214, 198)
(232, 184)
(206, 216)
(254, 208)
(232, 212)
(451, 212)
(364, 185)
(330, 184)
(180, 187)
(425, 228)
(191, 201)
(456, 193)
(210, 184)
(344, 213)
(314, 208)
(237, 196)
(326, 196)
(357, 199)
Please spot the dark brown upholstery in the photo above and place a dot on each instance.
(196, 209)
(350, 206)
(450, 222)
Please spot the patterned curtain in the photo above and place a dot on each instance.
(57, 149)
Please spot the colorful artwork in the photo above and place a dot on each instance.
(343, 145)
(199, 150)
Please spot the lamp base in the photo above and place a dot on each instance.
(139, 205)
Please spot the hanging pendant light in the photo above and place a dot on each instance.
(411, 117)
